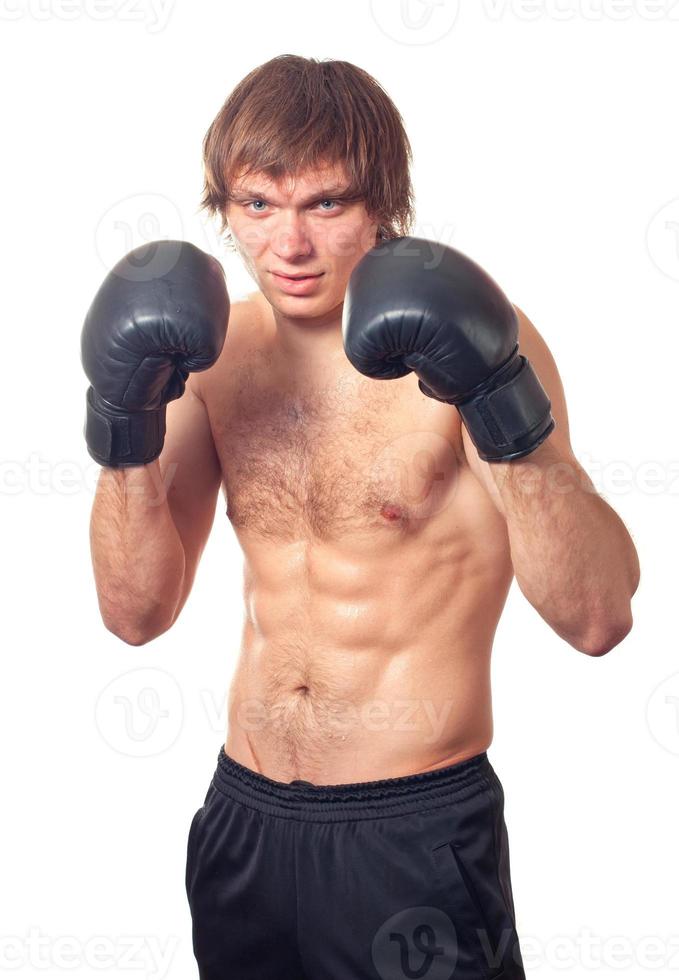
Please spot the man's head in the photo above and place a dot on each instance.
(307, 165)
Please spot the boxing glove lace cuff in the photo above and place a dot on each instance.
(511, 420)
(118, 438)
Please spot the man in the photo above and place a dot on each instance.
(354, 826)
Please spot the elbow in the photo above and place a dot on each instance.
(135, 639)
(131, 635)
(135, 634)
(136, 623)
(604, 636)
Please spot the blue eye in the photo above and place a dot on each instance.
(333, 205)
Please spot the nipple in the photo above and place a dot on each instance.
(391, 512)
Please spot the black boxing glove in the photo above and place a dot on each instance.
(416, 305)
(161, 313)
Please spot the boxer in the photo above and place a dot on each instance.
(391, 438)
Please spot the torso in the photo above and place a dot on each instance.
(376, 569)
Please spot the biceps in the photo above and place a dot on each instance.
(191, 474)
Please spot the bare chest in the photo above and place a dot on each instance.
(354, 456)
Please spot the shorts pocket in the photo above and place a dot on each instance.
(474, 924)
(191, 846)
(501, 845)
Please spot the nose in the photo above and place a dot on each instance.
(291, 239)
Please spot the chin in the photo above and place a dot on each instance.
(304, 306)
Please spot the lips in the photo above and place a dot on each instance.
(298, 275)
(301, 284)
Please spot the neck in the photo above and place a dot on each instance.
(310, 347)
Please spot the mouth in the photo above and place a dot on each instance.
(298, 277)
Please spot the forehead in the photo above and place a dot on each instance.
(297, 186)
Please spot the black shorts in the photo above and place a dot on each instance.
(389, 880)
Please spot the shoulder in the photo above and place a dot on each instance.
(529, 336)
(246, 334)
(248, 321)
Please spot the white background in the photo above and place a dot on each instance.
(546, 147)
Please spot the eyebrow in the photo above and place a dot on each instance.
(334, 192)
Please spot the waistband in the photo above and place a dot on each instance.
(352, 801)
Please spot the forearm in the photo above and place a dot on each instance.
(137, 554)
(572, 555)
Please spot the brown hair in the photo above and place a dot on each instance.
(292, 113)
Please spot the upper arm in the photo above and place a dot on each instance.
(191, 474)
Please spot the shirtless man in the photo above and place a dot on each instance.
(354, 826)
